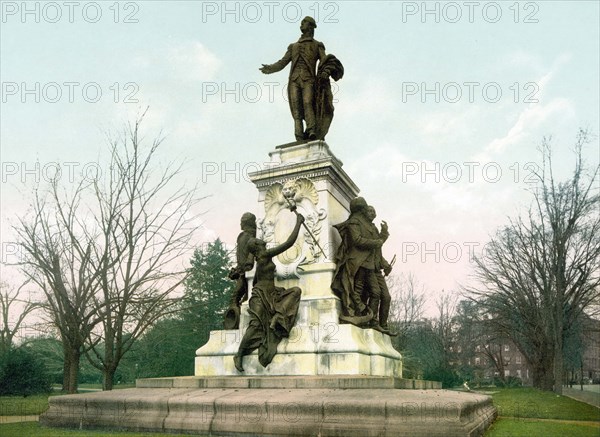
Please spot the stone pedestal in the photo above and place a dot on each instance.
(318, 344)
(286, 406)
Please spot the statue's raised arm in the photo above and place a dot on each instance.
(274, 251)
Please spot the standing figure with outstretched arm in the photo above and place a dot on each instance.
(309, 89)
(272, 309)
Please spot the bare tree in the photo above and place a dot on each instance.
(540, 272)
(145, 234)
(109, 253)
(408, 301)
(475, 336)
(11, 301)
(445, 323)
(430, 343)
(57, 247)
(493, 351)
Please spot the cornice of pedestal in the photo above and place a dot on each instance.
(313, 160)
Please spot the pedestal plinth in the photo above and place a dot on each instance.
(310, 175)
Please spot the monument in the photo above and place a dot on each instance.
(310, 352)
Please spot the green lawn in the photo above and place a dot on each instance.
(33, 429)
(37, 404)
(518, 428)
(23, 406)
(533, 403)
(518, 409)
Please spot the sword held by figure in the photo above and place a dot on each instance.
(293, 208)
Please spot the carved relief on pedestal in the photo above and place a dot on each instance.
(279, 222)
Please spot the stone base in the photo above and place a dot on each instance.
(318, 345)
(339, 382)
(347, 412)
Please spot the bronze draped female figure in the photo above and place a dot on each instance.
(272, 309)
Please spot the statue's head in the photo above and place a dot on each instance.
(248, 220)
(308, 25)
(358, 204)
(255, 245)
(371, 213)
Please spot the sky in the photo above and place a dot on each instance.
(438, 117)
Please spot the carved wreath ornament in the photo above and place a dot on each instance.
(279, 223)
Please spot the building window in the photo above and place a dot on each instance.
(519, 373)
(478, 348)
(477, 361)
(518, 360)
(506, 348)
(506, 373)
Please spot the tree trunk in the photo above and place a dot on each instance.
(66, 371)
(108, 378)
(72, 357)
(558, 370)
(542, 379)
(543, 372)
(558, 349)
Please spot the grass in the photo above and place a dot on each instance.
(34, 429)
(37, 404)
(513, 428)
(23, 406)
(529, 412)
(533, 403)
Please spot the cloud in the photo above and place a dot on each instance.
(188, 61)
(373, 97)
(537, 114)
(528, 121)
(193, 61)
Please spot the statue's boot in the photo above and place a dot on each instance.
(298, 130)
(374, 306)
(237, 361)
(386, 330)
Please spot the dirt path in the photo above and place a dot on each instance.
(17, 419)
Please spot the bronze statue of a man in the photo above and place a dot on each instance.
(355, 260)
(309, 90)
(245, 263)
(379, 294)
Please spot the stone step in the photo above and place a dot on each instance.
(277, 412)
(283, 382)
